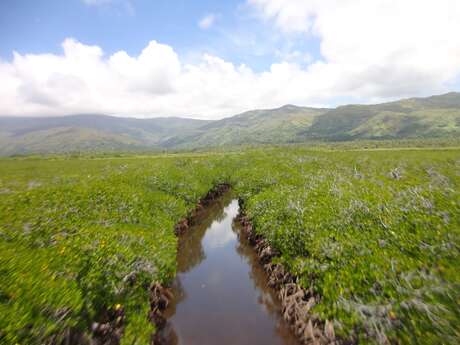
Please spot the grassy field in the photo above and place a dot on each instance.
(80, 236)
(374, 233)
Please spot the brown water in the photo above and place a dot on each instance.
(222, 297)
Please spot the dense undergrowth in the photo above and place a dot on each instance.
(376, 234)
(79, 237)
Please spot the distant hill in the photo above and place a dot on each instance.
(280, 125)
(89, 133)
(431, 117)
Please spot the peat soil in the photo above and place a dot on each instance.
(221, 291)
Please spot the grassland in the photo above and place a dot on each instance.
(79, 237)
(375, 233)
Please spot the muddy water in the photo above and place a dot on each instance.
(221, 291)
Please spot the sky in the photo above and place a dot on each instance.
(212, 59)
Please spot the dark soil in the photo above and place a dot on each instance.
(212, 195)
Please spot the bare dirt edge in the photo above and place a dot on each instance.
(296, 302)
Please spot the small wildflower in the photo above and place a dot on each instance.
(392, 315)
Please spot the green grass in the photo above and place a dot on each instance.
(375, 233)
(72, 230)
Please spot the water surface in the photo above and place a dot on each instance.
(221, 290)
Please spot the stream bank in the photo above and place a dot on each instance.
(296, 302)
(221, 292)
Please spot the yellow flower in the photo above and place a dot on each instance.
(117, 306)
(392, 315)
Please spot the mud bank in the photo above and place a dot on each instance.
(109, 329)
(296, 301)
(160, 296)
(211, 196)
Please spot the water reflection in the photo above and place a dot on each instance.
(190, 250)
(267, 298)
(222, 294)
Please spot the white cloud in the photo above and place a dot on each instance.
(371, 51)
(375, 49)
(207, 21)
(155, 83)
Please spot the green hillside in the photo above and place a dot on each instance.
(431, 117)
(435, 117)
(89, 133)
(268, 126)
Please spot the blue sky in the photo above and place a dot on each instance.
(211, 59)
(40, 27)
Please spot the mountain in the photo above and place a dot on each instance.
(89, 133)
(435, 116)
(267, 126)
(431, 117)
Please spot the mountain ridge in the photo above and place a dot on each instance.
(419, 117)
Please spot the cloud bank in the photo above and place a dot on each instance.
(378, 48)
(371, 51)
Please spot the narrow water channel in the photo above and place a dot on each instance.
(221, 290)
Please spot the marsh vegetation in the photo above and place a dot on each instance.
(374, 235)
